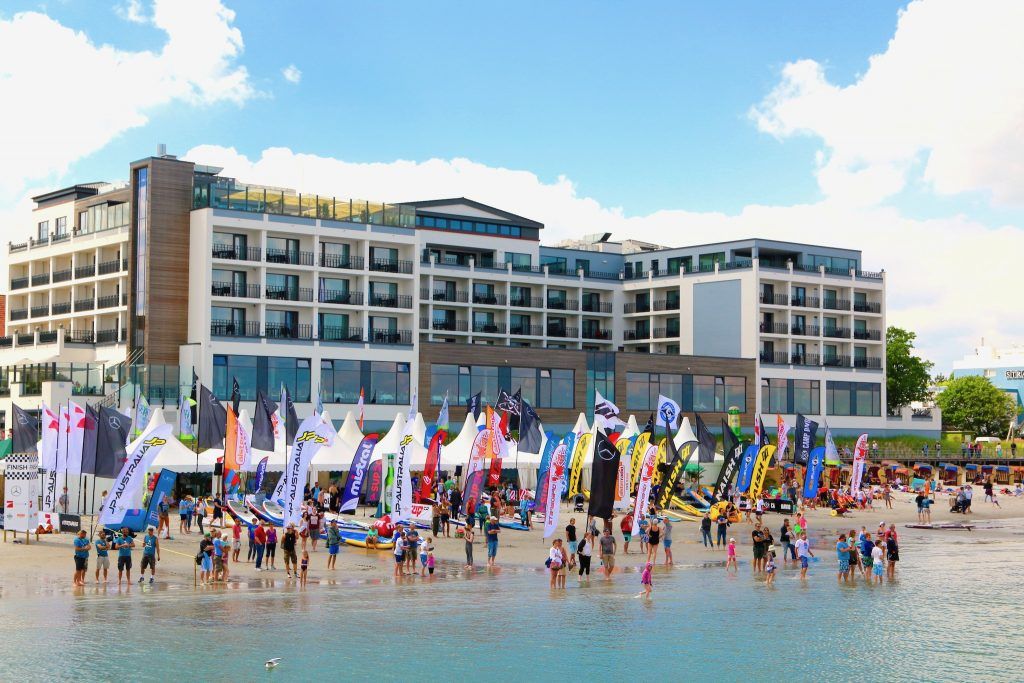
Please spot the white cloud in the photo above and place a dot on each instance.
(67, 97)
(945, 99)
(291, 73)
(132, 11)
(948, 279)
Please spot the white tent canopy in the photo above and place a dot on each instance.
(581, 426)
(349, 432)
(389, 444)
(174, 455)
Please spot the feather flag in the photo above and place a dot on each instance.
(361, 405)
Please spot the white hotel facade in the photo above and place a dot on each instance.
(181, 269)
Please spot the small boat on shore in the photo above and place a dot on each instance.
(948, 526)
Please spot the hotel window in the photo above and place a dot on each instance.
(806, 397)
(483, 321)
(334, 327)
(735, 393)
(774, 395)
(340, 381)
(281, 286)
(282, 250)
(483, 379)
(520, 296)
(43, 231)
(483, 293)
(242, 368)
(525, 379)
(83, 222)
(444, 381)
(334, 291)
(389, 382)
(227, 321)
(292, 373)
(60, 226)
(706, 396)
(555, 264)
(584, 265)
(557, 299)
(678, 263)
(556, 388)
(384, 258)
(853, 398)
(384, 294)
(281, 323)
(334, 255)
(707, 262)
(518, 261)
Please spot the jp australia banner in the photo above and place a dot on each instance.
(556, 478)
(401, 493)
(21, 486)
(604, 472)
(764, 458)
(310, 437)
(815, 466)
(805, 436)
(579, 453)
(746, 468)
(733, 451)
(128, 484)
(643, 489)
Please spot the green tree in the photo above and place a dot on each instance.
(973, 404)
(907, 375)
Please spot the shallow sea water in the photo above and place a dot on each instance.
(952, 614)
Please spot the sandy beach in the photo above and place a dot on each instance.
(46, 567)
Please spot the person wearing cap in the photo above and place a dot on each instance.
(150, 554)
(333, 543)
(124, 544)
(412, 544)
(492, 531)
(288, 544)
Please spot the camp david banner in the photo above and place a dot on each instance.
(21, 487)
(311, 436)
(130, 480)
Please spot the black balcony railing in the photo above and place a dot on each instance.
(26, 339)
(867, 363)
(835, 304)
(641, 307)
(527, 301)
(19, 282)
(774, 328)
(387, 265)
(597, 307)
(835, 361)
(284, 331)
(449, 295)
(107, 336)
(280, 293)
(40, 279)
(488, 327)
(6, 341)
(442, 325)
(804, 301)
(526, 330)
(868, 335)
(337, 296)
(867, 307)
(562, 331)
(774, 299)
(666, 305)
(85, 271)
(40, 311)
(489, 299)
(109, 301)
(341, 334)
(290, 257)
(391, 300)
(227, 251)
(805, 330)
(774, 358)
(230, 328)
(48, 336)
(836, 332)
(635, 335)
(235, 290)
(596, 333)
(108, 267)
(61, 275)
(85, 305)
(806, 359)
(563, 305)
(386, 336)
(60, 308)
(19, 313)
(341, 261)
(80, 337)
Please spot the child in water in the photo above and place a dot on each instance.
(303, 567)
(730, 559)
(877, 561)
(646, 581)
(430, 561)
(769, 569)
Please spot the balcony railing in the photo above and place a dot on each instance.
(19, 283)
(806, 359)
(774, 299)
(868, 335)
(488, 327)
(489, 299)
(596, 333)
(283, 331)
(387, 265)
(391, 300)
(60, 308)
(48, 336)
(633, 307)
(80, 337)
(61, 275)
(108, 267)
(444, 325)
(19, 313)
(26, 339)
(526, 330)
(563, 305)
(40, 279)
(237, 291)
(867, 307)
(867, 363)
(560, 331)
(337, 296)
(836, 332)
(107, 301)
(107, 336)
(229, 328)
(836, 304)
(830, 361)
(805, 330)
(804, 301)
(869, 275)
(385, 336)
(774, 358)
(666, 305)
(596, 307)
(85, 271)
(85, 305)
(526, 302)
(231, 253)
(636, 335)
(279, 293)
(340, 261)
(290, 257)
(341, 334)
(6, 342)
(40, 311)
(774, 328)
(451, 296)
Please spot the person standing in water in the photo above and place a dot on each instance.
(803, 553)
(647, 581)
(653, 540)
(666, 540)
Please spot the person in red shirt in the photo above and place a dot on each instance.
(626, 526)
(260, 536)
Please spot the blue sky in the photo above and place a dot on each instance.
(859, 125)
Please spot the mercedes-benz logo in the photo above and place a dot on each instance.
(15, 490)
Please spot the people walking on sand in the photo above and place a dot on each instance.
(426, 547)
(82, 545)
(607, 543)
(492, 530)
(626, 527)
(446, 515)
(412, 547)
(102, 546)
(271, 546)
(722, 526)
(647, 581)
(585, 552)
(887, 496)
(333, 544)
(260, 540)
(184, 514)
(163, 508)
(200, 512)
(399, 550)
(315, 526)
(206, 562)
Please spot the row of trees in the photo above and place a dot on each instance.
(969, 404)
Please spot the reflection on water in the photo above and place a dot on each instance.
(947, 617)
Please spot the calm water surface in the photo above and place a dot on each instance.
(952, 614)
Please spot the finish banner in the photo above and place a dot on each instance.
(20, 489)
(556, 478)
(579, 453)
(357, 475)
(764, 459)
(815, 466)
(732, 452)
(129, 482)
(643, 488)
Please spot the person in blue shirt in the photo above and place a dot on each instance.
(150, 554)
(185, 515)
(82, 546)
(124, 544)
(843, 555)
(102, 545)
(491, 531)
(218, 556)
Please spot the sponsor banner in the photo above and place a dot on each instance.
(70, 523)
(50, 519)
(556, 478)
(163, 490)
(643, 488)
(129, 482)
(579, 453)
(637, 456)
(675, 473)
(357, 476)
(401, 493)
(860, 456)
(815, 466)
(310, 437)
(746, 468)
(806, 433)
(764, 459)
(603, 474)
(21, 486)
(781, 505)
(622, 487)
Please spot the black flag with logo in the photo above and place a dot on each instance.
(649, 428)
(732, 449)
(291, 418)
(90, 440)
(509, 402)
(236, 395)
(707, 442)
(263, 423)
(530, 436)
(805, 437)
(111, 438)
(194, 403)
(473, 405)
(671, 470)
(26, 432)
(213, 420)
(604, 472)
